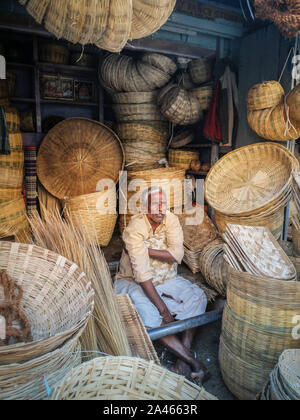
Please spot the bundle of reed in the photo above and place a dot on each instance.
(47, 201)
(105, 332)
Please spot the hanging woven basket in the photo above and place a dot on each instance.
(76, 154)
(264, 95)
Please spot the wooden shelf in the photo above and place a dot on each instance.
(64, 102)
(197, 173)
(22, 65)
(65, 68)
(24, 100)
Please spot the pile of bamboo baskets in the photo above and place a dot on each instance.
(108, 378)
(58, 301)
(263, 300)
(251, 186)
(108, 25)
(284, 381)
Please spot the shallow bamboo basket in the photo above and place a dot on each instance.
(27, 121)
(54, 53)
(89, 211)
(296, 241)
(200, 70)
(12, 118)
(204, 95)
(182, 159)
(264, 167)
(57, 298)
(24, 381)
(264, 95)
(125, 378)
(257, 327)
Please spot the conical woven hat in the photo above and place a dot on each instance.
(76, 154)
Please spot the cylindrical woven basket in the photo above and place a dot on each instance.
(200, 70)
(264, 95)
(204, 95)
(27, 120)
(171, 180)
(265, 167)
(271, 124)
(161, 62)
(89, 212)
(25, 381)
(57, 298)
(9, 194)
(12, 165)
(257, 327)
(137, 112)
(12, 118)
(179, 158)
(184, 80)
(144, 131)
(54, 53)
(296, 241)
(134, 97)
(182, 139)
(125, 378)
(13, 217)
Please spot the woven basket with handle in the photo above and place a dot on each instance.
(57, 298)
(125, 378)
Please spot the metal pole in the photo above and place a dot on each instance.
(179, 326)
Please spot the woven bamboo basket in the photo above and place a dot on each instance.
(161, 62)
(171, 180)
(257, 327)
(54, 53)
(9, 194)
(24, 381)
(179, 158)
(12, 165)
(296, 241)
(27, 121)
(180, 107)
(204, 95)
(144, 131)
(57, 298)
(137, 112)
(144, 155)
(264, 95)
(262, 170)
(200, 70)
(69, 166)
(274, 222)
(271, 124)
(89, 211)
(134, 97)
(182, 139)
(184, 80)
(125, 378)
(12, 118)
(13, 217)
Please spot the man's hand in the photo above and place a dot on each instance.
(152, 294)
(161, 255)
(167, 317)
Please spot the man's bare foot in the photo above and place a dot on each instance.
(200, 373)
(182, 368)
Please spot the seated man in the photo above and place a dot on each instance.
(148, 274)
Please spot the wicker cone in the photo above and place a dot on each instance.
(89, 211)
(49, 281)
(250, 179)
(12, 118)
(271, 124)
(204, 95)
(125, 378)
(200, 71)
(24, 381)
(67, 166)
(27, 120)
(182, 159)
(139, 340)
(149, 16)
(54, 53)
(264, 95)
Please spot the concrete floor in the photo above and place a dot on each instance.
(206, 344)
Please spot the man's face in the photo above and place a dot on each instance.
(157, 207)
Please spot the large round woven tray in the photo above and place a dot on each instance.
(76, 154)
(249, 179)
(126, 378)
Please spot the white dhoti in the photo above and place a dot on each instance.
(188, 301)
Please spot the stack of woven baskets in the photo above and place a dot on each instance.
(79, 162)
(251, 186)
(284, 382)
(58, 300)
(259, 317)
(133, 85)
(13, 220)
(268, 113)
(296, 217)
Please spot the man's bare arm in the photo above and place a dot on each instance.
(161, 255)
(152, 294)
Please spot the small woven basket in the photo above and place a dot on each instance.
(200, 70)
(54, 53)
(89, 211)
(12, 118)
(204, 95)
(57, 298)
(264, 95)
(182, 159)
(125, 378)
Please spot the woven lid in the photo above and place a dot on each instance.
(76, 154)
